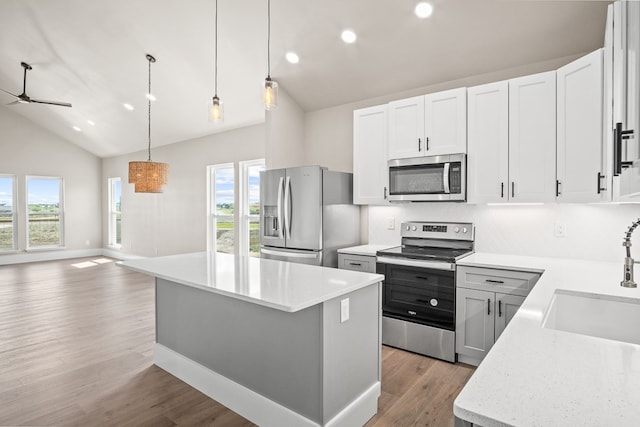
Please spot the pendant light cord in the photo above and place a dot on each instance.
(216, 54)
(149, 99)
(268, 38)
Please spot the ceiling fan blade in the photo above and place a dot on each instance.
(61, 104)
(8, 92)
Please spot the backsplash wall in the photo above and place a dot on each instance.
(594, 231)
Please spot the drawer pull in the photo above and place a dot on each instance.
(357, 264)
(499, 308)
(422, 277)
(494, 281)
(488, 306)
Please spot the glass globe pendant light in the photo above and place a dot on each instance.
(216, 108)
(270, 93)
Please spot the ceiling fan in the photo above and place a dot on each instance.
(23, 98)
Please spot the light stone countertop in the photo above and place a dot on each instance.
(534, 376)
(366, 250)
(280, 285)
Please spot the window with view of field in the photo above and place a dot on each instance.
(115, 212)
(231, 224)
(44, 212)
(8, 225)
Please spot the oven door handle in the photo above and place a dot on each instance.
(435, 265)
(445, 177)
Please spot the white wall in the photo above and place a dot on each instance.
(27, 149)
(174, 221)
(284, 144)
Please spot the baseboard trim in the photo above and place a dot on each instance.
(253, 406)
(20, 258)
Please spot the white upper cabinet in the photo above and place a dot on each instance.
(488, 156)
(512, 140)
(429, 125)
(446, 122)
(406, 128)
(532, 138)
(580, 170)
(370, 156)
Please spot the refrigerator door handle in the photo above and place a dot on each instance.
(279, 207)
(287, 207)
(288, 254)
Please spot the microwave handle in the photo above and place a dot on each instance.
(445, 177)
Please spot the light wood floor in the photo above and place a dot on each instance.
(75, 349)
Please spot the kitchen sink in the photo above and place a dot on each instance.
(604, 316)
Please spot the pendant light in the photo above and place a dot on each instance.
(216, 109)
(270, 94)
(148, 177)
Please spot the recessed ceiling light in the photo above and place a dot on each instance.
(77, 129)
(151, 97)
(348, 36)
(91, 122)
(128, 106)
(423, 10)
(292, 57)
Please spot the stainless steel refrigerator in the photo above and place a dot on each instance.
(307, 214)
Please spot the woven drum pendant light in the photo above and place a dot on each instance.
(148, 177)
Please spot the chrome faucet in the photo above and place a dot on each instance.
(627, 281)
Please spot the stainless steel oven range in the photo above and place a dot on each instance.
(419, 290)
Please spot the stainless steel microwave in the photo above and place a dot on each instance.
(430, 178)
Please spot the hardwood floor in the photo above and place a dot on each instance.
(76, 349)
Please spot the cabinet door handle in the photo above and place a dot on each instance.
(513, 189)
(419, 145)
(502, 190)
(494, 281)
(599, 187)
(557, 188)
(385, 193)
(499, 308)
(427, 143)
(488, 306)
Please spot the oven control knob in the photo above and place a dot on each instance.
(433, 302)
(464, 229)
(408, 228)
(414, 228)
(456, 229)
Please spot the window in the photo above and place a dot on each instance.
(221, 208)
(45, 225)
(250, 198)
(223, 215)
(8, 225)
(115, 212)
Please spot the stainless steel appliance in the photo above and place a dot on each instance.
(419, 290)
(306, 215)
(431, 178)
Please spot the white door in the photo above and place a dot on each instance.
(506, 308)
(370, 174)
(406, 128)
(474, 322)
(580, 139)
(488, 143)
(446, 122)
(532, 138)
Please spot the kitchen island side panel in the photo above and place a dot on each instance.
(352, 349)
(274, 353)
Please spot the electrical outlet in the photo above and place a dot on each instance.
(391, 223)
(344, 310)
(561, 229)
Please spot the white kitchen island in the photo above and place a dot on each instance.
(540, 376)
(277, 342)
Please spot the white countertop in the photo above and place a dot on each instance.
(366, 250)
(535, 376)
(277, 284)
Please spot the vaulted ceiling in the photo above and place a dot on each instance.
(92, 53)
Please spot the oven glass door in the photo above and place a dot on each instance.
(418, 179)
(419, 295)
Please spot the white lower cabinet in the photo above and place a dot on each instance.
(486, 301)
